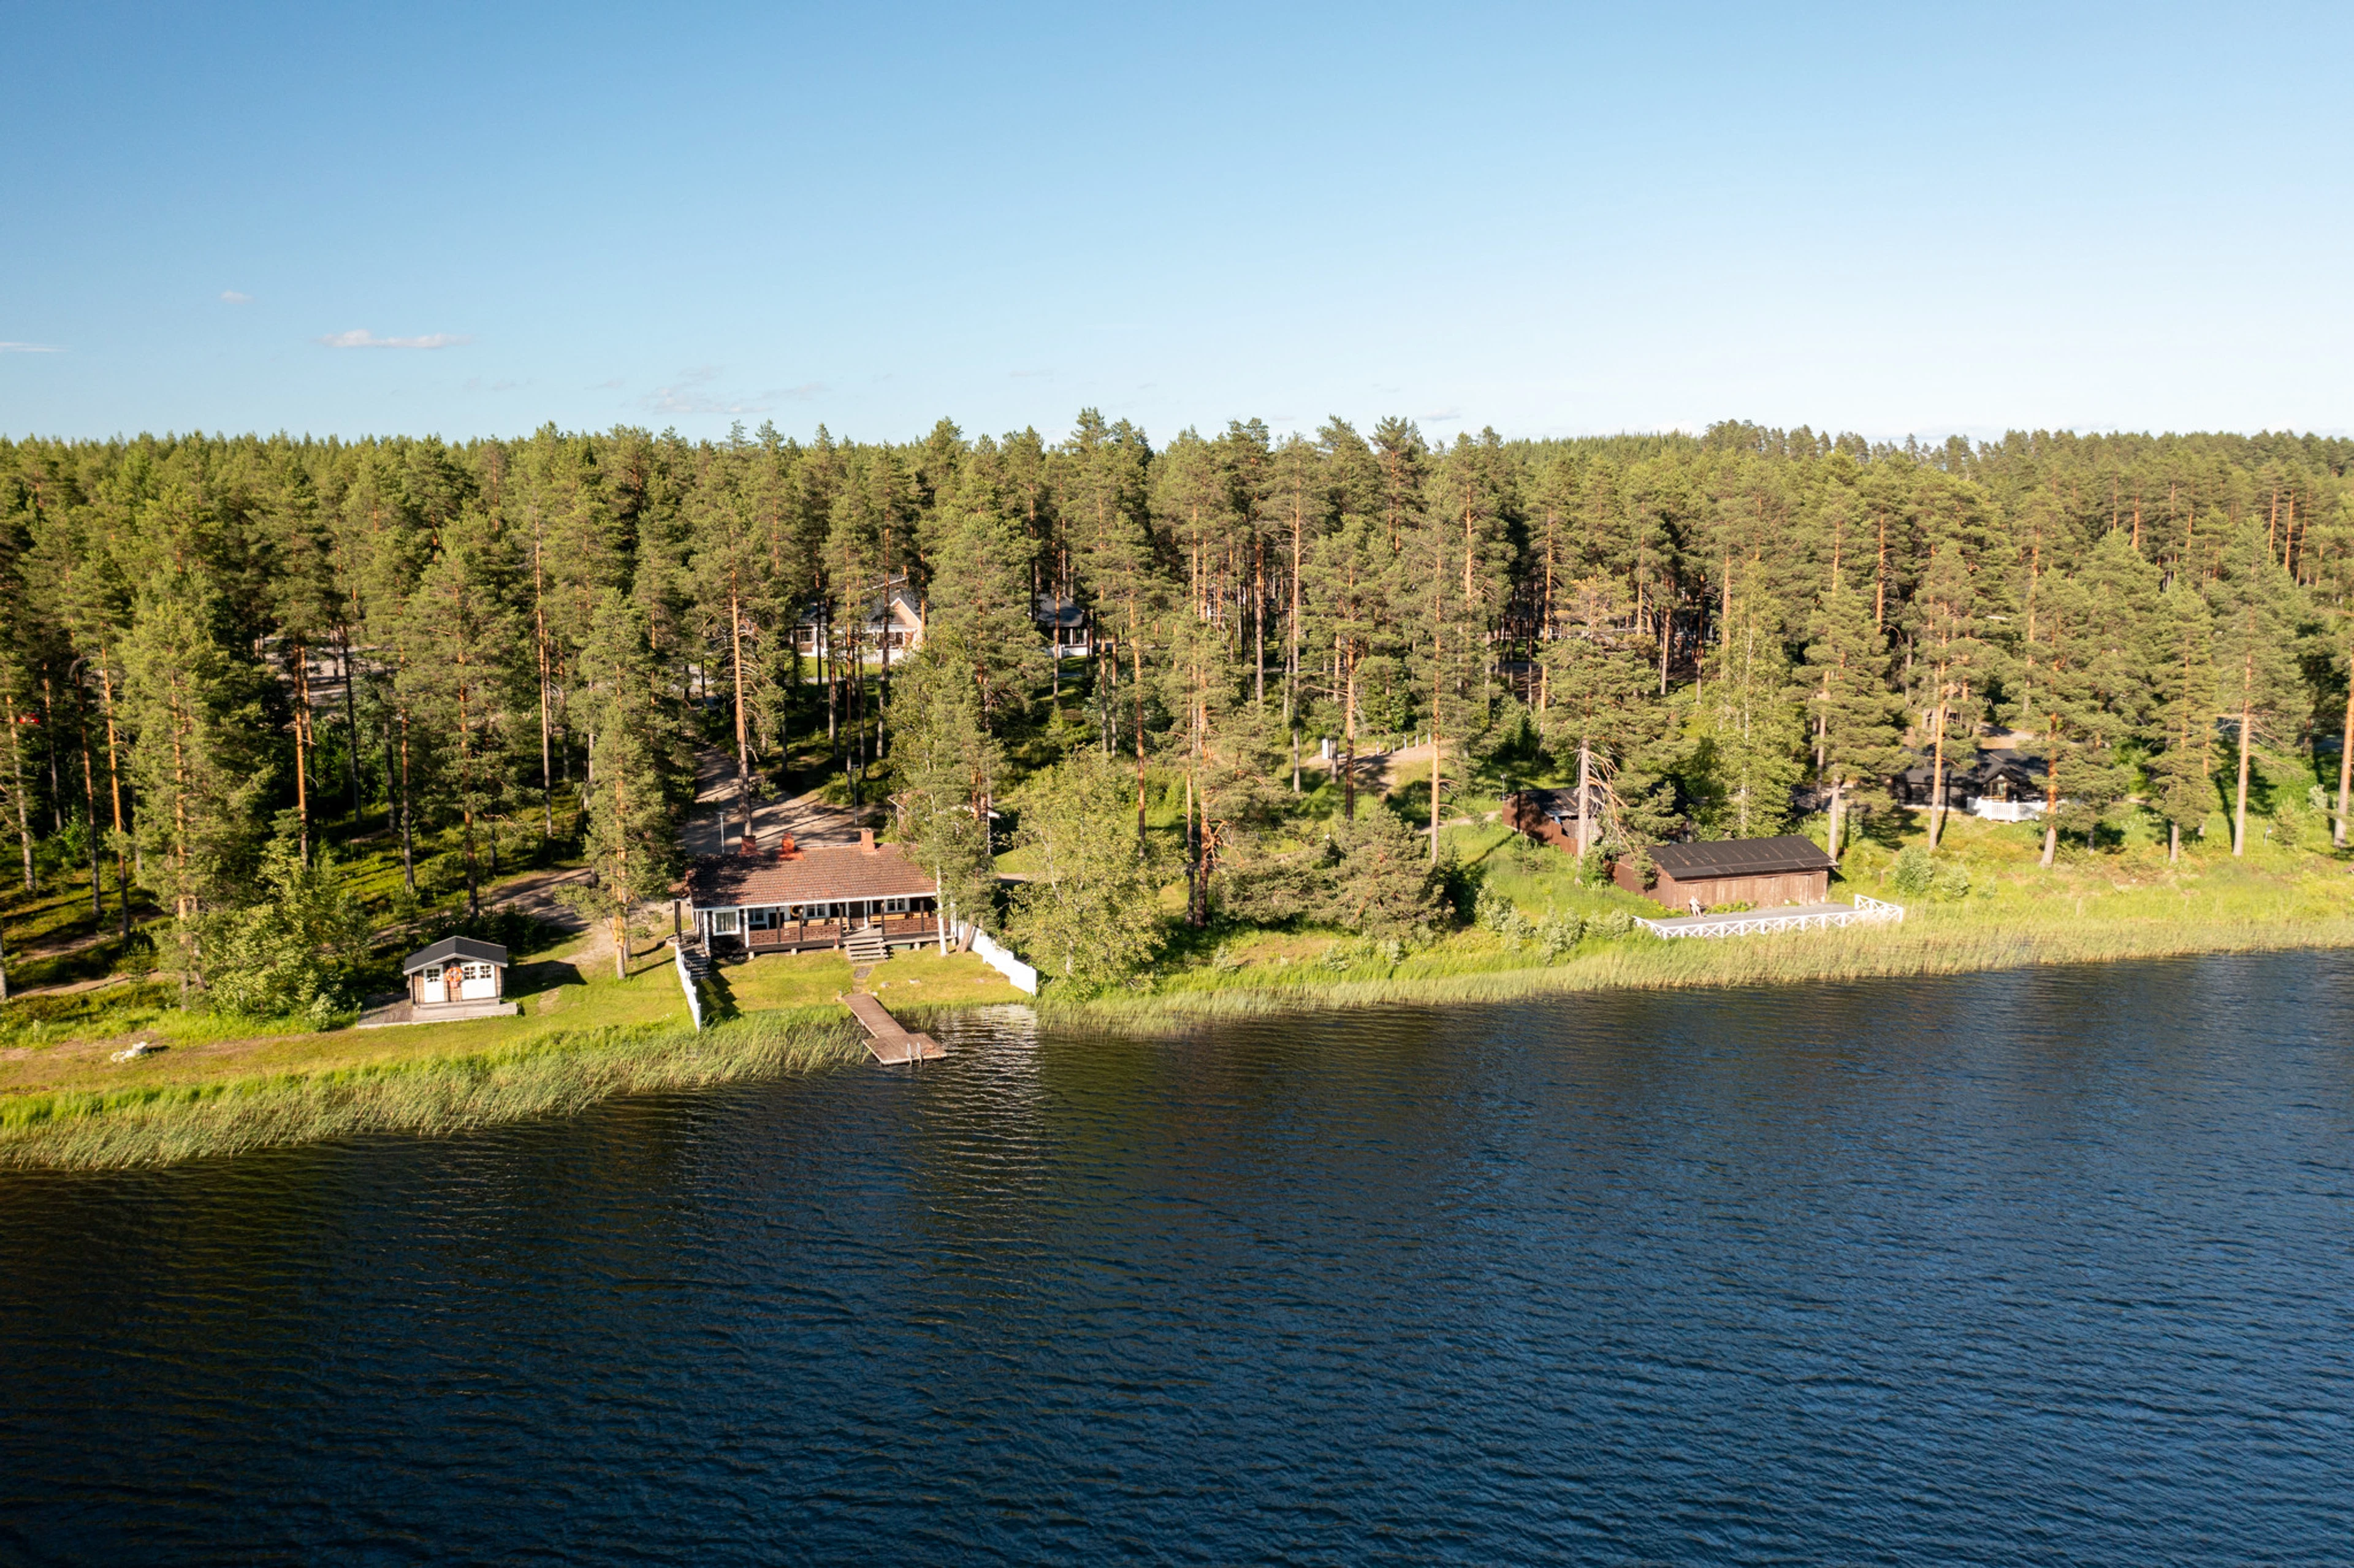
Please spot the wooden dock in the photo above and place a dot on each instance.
(1790, 917)
(889, 1044)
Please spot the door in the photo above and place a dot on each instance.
(480, 983)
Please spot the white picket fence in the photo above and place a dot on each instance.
(1000, 958)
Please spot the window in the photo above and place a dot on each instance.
(761, 920)
(723, 922)
(895, 906)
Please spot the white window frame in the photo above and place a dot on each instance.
(723, 922)
(895, 906)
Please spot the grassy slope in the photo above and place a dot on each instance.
(2116, 904)
(584, 1033)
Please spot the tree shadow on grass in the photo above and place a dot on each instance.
(545, 975)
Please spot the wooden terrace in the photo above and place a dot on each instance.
(814, 936)
(1793, 918)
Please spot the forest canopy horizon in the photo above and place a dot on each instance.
(1711, 633)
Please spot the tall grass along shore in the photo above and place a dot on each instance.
(153, 1123)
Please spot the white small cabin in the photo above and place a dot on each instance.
(454, 971)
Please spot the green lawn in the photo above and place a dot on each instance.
(916, 980)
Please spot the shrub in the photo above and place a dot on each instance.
(1557, 934)
(1914, 872)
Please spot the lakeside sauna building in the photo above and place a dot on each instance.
(457, 977)
(791, 898)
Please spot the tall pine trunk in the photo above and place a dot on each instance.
(1938, 774)
(1585, 798)
(114, 782)
(351, 724)
(302, 767)
(547, 730)
(743, 747)
(2051, 801)
(23, 819)
(2345, 764)
(2240, 801)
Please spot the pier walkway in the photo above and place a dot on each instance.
(889, 1044)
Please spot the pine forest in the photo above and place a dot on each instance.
(1149, 678)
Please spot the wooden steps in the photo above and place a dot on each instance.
(866, 945)
(886, 1040)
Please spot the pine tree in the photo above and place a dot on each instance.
(1595, 673)
(192, 697)
(2257, 679)
(1747, 721)
(948, 766)
(1958, 661)
(463, 680)
(2183, 692)
(1349, 618)
(730, 576)
(1857, 718)
(641, 769)
(304, 606)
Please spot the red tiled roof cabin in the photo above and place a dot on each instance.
(791, 898)
(1761, 873)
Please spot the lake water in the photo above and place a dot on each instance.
(2032, 1267)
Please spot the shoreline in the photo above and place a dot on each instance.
(430, 1096)
(1890, 952)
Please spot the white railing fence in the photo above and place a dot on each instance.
(686, 983)
(1000, 958)
(1866, 912)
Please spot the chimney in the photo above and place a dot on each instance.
(785, 850)
(750, 844)
(867, 840)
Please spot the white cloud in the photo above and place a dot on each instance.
(360, 337)
(687, 397)
(231, 297)
(28, 348)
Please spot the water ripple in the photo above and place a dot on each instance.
(2051, 1267)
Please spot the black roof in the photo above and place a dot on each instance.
(1741, 857)
(1557, 803)
(460, 948)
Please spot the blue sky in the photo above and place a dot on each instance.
(1554, 219)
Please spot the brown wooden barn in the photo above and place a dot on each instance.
(1762, 873)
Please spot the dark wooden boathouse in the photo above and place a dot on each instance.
(1761, 873)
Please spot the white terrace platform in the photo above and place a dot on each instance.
(1793, 917)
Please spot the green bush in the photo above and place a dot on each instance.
(1557, 934)
(1914, 871)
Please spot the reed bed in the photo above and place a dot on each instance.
(553, 1074)
(1855, 953)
